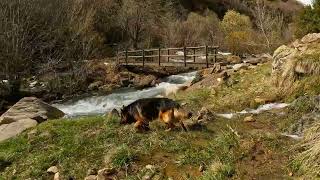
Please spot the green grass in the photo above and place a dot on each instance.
(239, 92)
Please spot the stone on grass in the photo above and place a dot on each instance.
(26, 113)
(91, 177)
(105, 173)
(249, 119)
(56, 176)
(10, 130)
(92, 171)
(53, 170)
(150, 167)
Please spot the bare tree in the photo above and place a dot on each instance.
(135, 17)
(268, 21)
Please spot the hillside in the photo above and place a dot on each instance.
(259, 120)
(288, 7)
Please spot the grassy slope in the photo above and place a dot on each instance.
(227, 148)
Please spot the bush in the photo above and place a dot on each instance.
(309, 20)
(195, 30)
(34, 32)
(237, 29)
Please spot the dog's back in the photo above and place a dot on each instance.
(142, 111)
(149, 108)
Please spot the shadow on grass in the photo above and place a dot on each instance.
(3, 164)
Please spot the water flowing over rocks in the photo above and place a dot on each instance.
(106, 103)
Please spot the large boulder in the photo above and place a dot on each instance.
(299, 58)
(143, 81)
(26, 113)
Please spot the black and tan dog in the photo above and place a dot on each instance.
(143, 111)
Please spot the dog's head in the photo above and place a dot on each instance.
(181, 113)
(126, 118)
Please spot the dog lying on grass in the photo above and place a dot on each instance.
(143, 111)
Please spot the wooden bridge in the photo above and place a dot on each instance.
(201, 56)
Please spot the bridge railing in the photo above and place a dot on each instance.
(183, 56)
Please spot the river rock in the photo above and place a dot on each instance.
(238, 67)
(108, 88)
(258, 59)
(95, 85)
(249, 119)
(234, 59)
(26, 113)
(144, 81)
(259, 100)
(53, 170)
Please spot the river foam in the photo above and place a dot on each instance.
(101, 104)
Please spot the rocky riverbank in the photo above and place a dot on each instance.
(96, 77)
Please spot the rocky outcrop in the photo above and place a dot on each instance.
(302, 57)
(28, 112)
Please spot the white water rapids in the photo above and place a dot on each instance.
(102, 104)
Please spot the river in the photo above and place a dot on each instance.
(97, 105)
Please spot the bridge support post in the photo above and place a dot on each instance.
(126, 56)
(159, 56)
(194, 55)
(207, 60)
(143, 58)
(185, 56)
(215, 55)
(168, 55)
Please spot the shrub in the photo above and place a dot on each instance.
(237, 29)
(33, 32)
(195, 30)
(309, 20)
